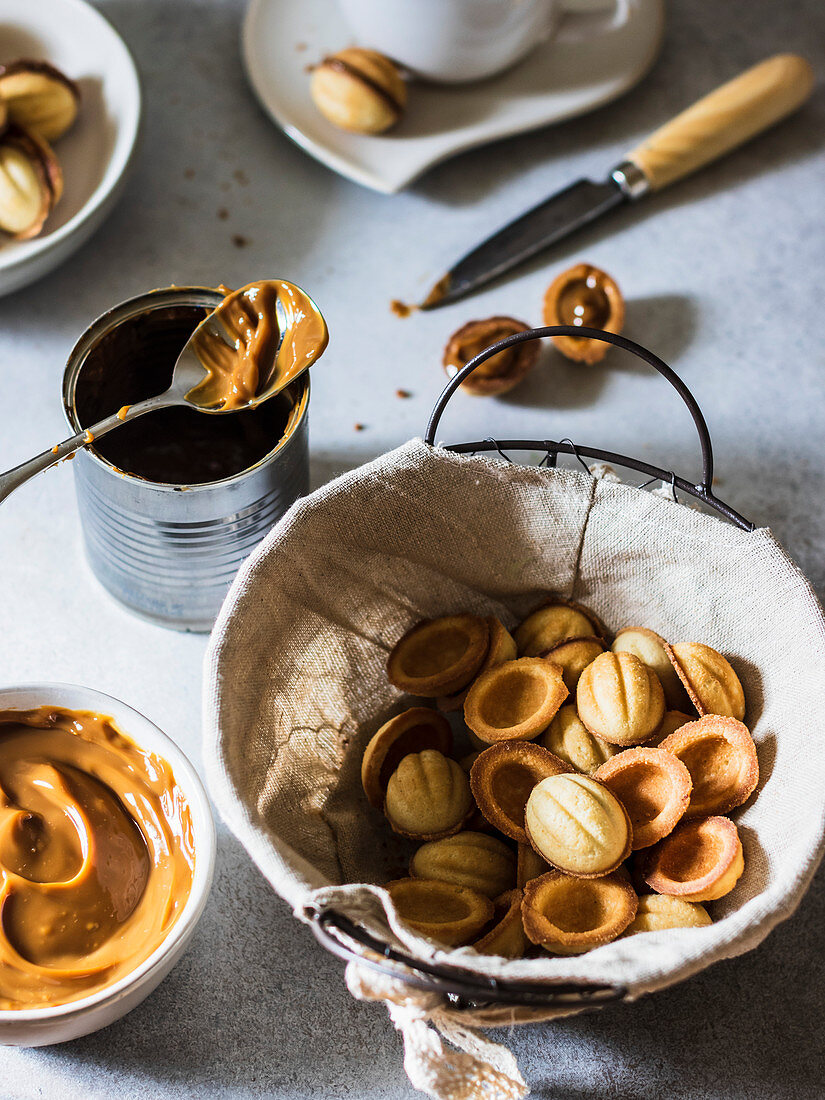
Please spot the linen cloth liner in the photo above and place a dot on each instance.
(295, 685)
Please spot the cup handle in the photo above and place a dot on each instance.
(577, 26)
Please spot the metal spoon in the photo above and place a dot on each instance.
(257, 341)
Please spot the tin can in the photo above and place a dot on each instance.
(169, 511)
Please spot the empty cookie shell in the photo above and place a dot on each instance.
(501, 648)
(428, 796)
(451, 914)
(701, 860)
(502, 779)
(439, 656)
(659, 911)
(653, 786)
(620, 699)
(515, 701)
(711, 683)
(568, 916)
(555, 622)
(573, 657)
(506, 938)
(569, 738)
(578, 825)
(721, 757)
(477, 860)
(411, 731)
(649, 647)
(529, 865)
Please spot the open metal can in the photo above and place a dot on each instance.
(172, 503)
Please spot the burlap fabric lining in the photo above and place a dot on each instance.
(295, 685)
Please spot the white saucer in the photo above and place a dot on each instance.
(281, 38)
(97, 151)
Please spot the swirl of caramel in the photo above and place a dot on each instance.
(96, 855)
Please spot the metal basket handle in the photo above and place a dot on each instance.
(347, 940)
(702, 491)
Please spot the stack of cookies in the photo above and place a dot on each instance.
(589, 800)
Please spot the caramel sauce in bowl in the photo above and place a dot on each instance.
(107, 850)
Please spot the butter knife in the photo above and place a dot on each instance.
(716, 124)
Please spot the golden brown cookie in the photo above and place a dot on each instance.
(428, 797)
(658, 911)
(502, 779)
(554, 622)
(573, 657)
(620, 699)
(506, 938)
(701, 860)
(568, 916)
(450, 914)
(411, 731)
(711, 683)
(359, 90)
(720, 755)
(653, 786)
(439, 656)
(569, 738)
(578, 825)
(649, 647)
(515, 701)
(469, 859)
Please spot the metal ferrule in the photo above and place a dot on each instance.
(631, 180)
(170, 552)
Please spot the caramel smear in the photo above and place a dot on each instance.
(251, 365)
(96, 855)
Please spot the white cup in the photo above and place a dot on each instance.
(453, 41)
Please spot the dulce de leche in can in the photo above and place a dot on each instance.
(171, 503)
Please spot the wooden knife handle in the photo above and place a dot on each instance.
(728, 117)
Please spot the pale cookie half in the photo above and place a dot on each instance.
(711, 683)
(659, 911)
(649, 647)
(477, 860)
(578, 825)
(428, 797)
(620, 699)
(570, 739)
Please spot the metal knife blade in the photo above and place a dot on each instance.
(551, 221)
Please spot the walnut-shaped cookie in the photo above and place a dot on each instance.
(578, 825)
(428, 797)
(620, 699)
(711, 683)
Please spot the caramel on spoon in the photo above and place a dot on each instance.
(258, 340)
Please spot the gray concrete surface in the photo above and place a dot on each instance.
(724, 277)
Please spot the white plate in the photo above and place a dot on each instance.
(281, 38)
(96, 153)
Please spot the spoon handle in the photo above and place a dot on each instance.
(15, 477)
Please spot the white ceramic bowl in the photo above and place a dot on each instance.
(44, 1026)
(97, 152)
